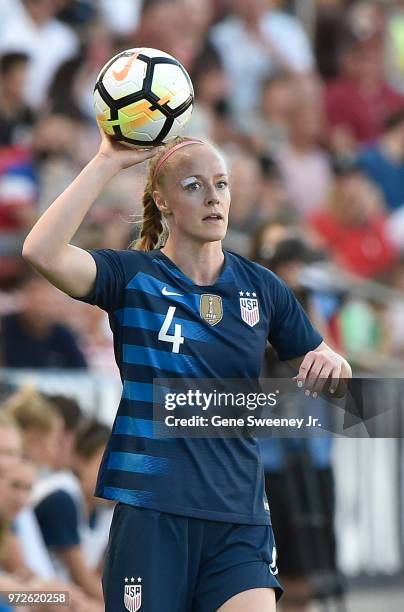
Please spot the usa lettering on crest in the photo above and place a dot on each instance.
(132, 597)
(249, 308)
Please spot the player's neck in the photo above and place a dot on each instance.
(201, 263)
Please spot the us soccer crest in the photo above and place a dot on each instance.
(211, 308)
(132, 597)
(250, 312)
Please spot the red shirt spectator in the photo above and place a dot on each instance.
(352, 226)
(360, 100)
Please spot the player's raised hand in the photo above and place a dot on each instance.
(122, 156)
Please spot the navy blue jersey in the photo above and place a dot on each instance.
(166, 326)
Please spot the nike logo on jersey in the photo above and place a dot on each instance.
(165, 291)
(121, 74)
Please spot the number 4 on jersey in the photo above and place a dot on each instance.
(176, 339)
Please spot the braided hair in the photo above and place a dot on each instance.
(154, 228)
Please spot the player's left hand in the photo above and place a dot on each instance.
(324, 371)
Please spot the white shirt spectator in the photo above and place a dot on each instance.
(122, 16)
(47, 45)
(307, 178)
(34, 550)
(248, 61)
(62, 516)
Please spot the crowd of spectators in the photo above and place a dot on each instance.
(310, 117)
(53, 532)
(308, 109)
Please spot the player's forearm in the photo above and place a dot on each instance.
(52, 233)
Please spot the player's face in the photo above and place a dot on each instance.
(195, 195)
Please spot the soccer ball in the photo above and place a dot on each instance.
(143, 97)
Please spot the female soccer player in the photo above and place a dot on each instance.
(192, 529)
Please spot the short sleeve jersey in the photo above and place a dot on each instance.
(224, 328)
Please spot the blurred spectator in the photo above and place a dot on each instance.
(245, 210)
(288, 259)
(394, 315)
(352, 223)
(23, 535)
(270, 233)
(394, 44)
(268, 127)
(75, 527)
(71, 414)
(303, 162)
(71, 89)
(211, 116)
(162, 20)
(383, 161)
(122, 16)
(298, 474)
(275, 198)
(16, 119)
(18, 184)
(18, 199)
(33, 337)
(22, 550)
(363, 332)
(359, 100)
(40, 426)
(31, 28)
(255, 40)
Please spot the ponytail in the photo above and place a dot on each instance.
(154, 230)
(154, 227)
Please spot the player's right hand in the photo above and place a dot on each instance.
(122, 156)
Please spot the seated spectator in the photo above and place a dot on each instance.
(352, 224)
(75, 527)
(33, 29)
(158, 27)
(275, 196)
(24, 562)
(16, 120)
(359, 100)
(71, 414)
(245, 210)
(394, 314)
(268, 127)
(303, 163)
(211, 115)
(270, 40)
(40, 426)
(270, 233)
(383, 161)
(14, 512)
(33, 337)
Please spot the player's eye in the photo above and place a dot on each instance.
(193, 186)
(222, 184)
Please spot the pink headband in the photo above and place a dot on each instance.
(170, 152)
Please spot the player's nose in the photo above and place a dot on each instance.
(212, 197)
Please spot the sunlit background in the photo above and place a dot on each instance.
(306, 101)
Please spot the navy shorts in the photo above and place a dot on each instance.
(159, 562)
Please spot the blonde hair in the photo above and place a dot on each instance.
(6, 420)
(30, 410)
(153, 226)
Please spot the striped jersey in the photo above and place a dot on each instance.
(166, 326)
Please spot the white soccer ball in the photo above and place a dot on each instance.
(143, 97)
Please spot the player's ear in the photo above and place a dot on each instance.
(161, 202)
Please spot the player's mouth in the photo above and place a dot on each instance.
(213, 218)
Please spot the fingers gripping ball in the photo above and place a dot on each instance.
(143, 97)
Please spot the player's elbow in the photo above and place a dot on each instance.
(37, 256)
